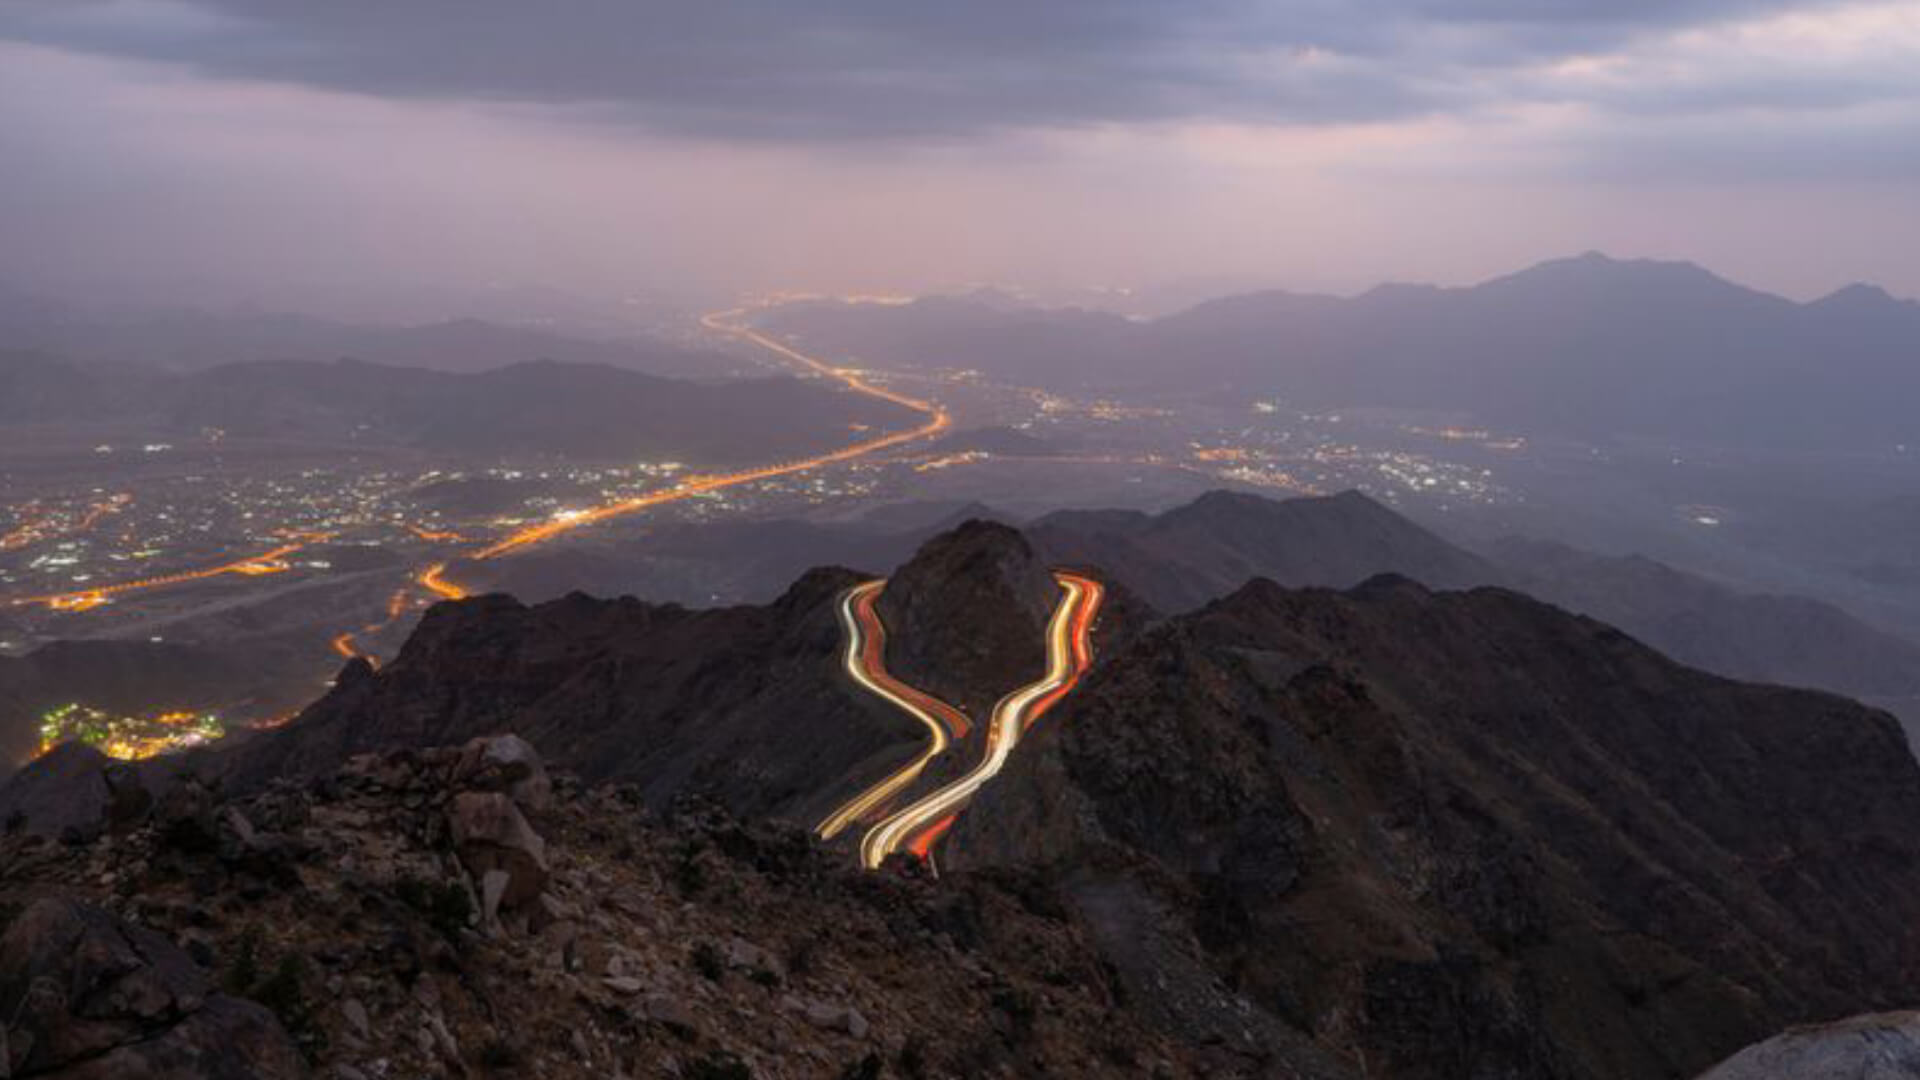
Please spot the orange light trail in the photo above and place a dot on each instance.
(1069, 655)
(922, 845)
(43, 528)
(938, 420)
(271, 562)
(865, 664)
(343, 643)
(433, 580)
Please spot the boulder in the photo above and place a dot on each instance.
(490, 834)
(63, 790)
(828, 1016)
(186, 819)
(88, 997)
(505, 763)
(1880, 1046)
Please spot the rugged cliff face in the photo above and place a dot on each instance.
(746, 704)
(1466, 834)
(966, 617)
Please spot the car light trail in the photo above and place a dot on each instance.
(865, 663)
(342, 643)
(434, 580)
(1069, 654)
(937, 421)
(271, 562)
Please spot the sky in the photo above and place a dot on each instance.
(384, 159)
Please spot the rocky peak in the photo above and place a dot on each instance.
(966, 617)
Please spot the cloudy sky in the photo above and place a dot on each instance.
(340, 155)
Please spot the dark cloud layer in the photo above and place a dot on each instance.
(833, 68)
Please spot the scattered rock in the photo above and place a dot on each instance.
(89, 997)
(357, 1020)
(672, 1013)
(505, 763)
(830, 1017)
(490, 833)
(1881, 1046)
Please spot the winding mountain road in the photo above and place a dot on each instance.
(913, 829)
(865, 663)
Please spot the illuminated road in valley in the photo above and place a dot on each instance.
(1069, 654)
(269, 562)
(433, 578)
(937, 421)
(865, 663)
(348, 649)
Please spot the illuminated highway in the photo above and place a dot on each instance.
(937, 421)
(433, 579)
(270, 562)
(348, 649)
(865, 663)
(1069, 654)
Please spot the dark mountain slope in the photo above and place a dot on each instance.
(186, 340)
(1783, 639)
(579, 410)
(1204, 550)
(745, 703)
(134, 677)
(1425, 834)
(966, 617)
(1467, 835)
(1191, 554)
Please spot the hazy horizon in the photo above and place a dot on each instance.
(360, 162)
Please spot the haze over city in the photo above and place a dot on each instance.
(350, 159)
(752, 540)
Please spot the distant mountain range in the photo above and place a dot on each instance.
(571, 409)
(187, 340)
(1181, 559)
(1590, 347)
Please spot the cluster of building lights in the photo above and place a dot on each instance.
(128, 738)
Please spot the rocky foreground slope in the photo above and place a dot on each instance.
(457, 912)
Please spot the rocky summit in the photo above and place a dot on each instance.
(460, 911)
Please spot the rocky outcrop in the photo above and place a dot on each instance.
(1459, 834)
(86, 996)
(498, 847)
(1884, 1046)
(745, 704)
(1180, 559)
(966, 617)
(686, 943)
